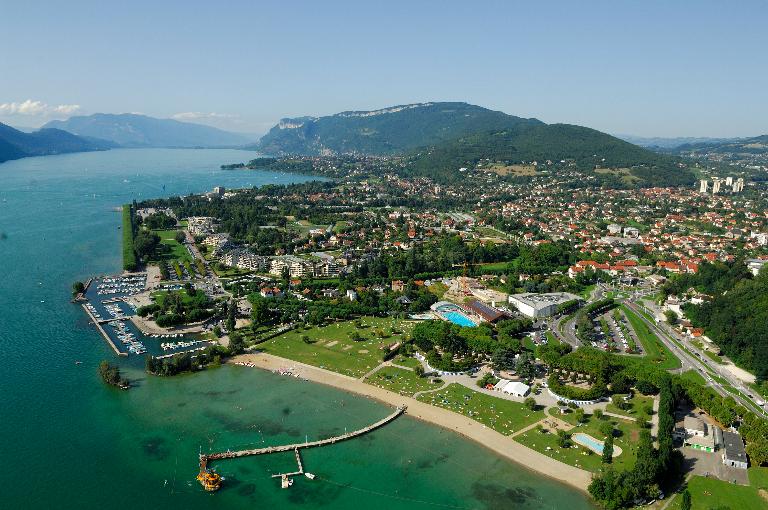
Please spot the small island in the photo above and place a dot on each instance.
(111, 375)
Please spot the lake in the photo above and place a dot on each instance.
(71, 441)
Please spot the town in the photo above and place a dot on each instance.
(553, 312)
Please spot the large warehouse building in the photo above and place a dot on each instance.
(540, 305)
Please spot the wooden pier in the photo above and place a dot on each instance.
(206, 457)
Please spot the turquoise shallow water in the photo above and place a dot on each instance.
(68, 441)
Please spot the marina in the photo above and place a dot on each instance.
(106, 301)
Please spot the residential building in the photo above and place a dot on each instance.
(733, 450)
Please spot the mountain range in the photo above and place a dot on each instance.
(15, 144)
(440, 138)
(390, 130)
(752, 145)
(133, 130)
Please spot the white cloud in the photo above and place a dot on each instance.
(202, 115)
(38, 108)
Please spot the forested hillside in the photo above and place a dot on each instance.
(619, 162)
(737, 317)
(387, 131)
(15, 144)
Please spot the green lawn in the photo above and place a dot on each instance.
(176, 250)
(587, 291)
(638, 402)
(693, 375)
(406, 361)
(230, 272)
(400, 380)
(332, 347)
(578, 456)
(655, 350)
(493, 266)
(339, 226)
(438, 289)
(708, 493)
(502, 415)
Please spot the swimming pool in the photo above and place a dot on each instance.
(460, 319)
(589, 442)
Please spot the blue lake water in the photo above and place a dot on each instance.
(69, 441)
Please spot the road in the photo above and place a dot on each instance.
(698, 361)
(691, 357)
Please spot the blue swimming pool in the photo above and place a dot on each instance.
(589, 441)
(460, 319)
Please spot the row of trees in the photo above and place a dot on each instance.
(129, 254)
(655, 468)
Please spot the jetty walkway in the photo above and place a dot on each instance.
(206, 457)
(107, 338)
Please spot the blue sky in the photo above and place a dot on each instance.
(650, 68)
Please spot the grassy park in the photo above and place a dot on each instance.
(626, 436)
(635, 406)
(174, 250)
(709, 493)
(400, 380)
(505, 416)
(332, 347)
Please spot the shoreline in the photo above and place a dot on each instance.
(500, 444)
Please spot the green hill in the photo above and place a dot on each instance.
(612, 160)
(15, 144)
(393, 130)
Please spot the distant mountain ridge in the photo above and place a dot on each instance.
(751, 145)
(134, 130)
(391, 130)
(15, 144)
(660, 142)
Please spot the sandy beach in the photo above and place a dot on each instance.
(499, 443)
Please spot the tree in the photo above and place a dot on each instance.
(608, 450)
(111, 374)
(580, 416)
(260, 312)
(77, 288)
(504, 359)
(671, 317)
(530, 403)
(525, 366)
(563, 439)
(419, 370)
(757, 449)
(180, 237)
(606, 428)
(598, 413)
(145, 243)
(685, 503)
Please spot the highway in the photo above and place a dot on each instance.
(698, 361)
(691, 357)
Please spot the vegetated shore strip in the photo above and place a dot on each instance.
(467, 427)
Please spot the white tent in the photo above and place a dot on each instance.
(517, 389)
(500, 385)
